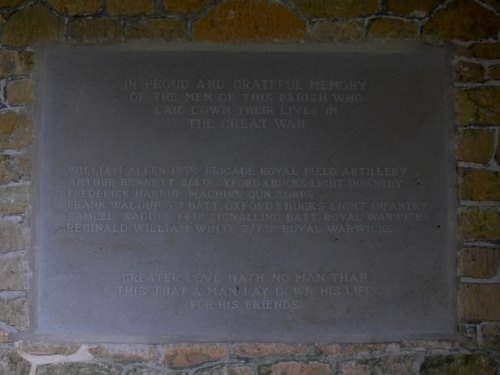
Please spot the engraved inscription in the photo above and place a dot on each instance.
(216, 199)
(243, 195)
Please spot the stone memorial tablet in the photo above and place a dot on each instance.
(247, 193)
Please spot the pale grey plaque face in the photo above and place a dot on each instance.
(284, 195)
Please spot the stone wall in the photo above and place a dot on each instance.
(470, 27)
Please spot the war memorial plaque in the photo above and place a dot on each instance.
(270, 194)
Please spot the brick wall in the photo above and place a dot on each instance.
(470, 27)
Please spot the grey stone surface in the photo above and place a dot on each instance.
(13, 273)
(244, 195)
(14, 312)
(79, 369)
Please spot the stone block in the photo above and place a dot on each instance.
(75, 7)
(189, 355)
(475, 145)
(14, 168)
(479, 262)
(401, 365)
(338, 8)
(243, 20)
(350, 351)
(494, 72)
(14, 236)
(186, 6)
(479, 224)
(13, 273)
(459, 364)
(466, 72)
(390, 28)
(490, 336)
(31, 25)
(14, 200)
(130, 7)
(476, 223)
(411, 8)
(479, 185)
(20, 92)
(15, 130)
(459, 21)
(79, 368)
(254, 350)
(15, 63)
(165, 29)
(497, 153)
(93, 30)
(485, 51)
(477, 106)
(296, 368)
(12, 3)
(337, 31)
(46, 348)
(14, 312)
(125, 353)
(227, 370)
(479, 302)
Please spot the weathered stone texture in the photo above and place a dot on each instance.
(142, 370)
(490, 334)
(413, 8)
(31, 25)
(478, 106)
(14, 312)
(338, 8)
(15, 62)
(20, 92)
(479, 223)
(13, 364)
(76, 7)
(389, 28)
(14, 199)
(475, 145)
(92, 30)
(479, 185)
(464, 20)
(253, 350)
(14, 168)
(227, 370)
(13, 236)
(166, 29)
(479, 262)
(12, 3)
(337, 31)
(13, 273)
(80, 369)
(469, 72)
(461, 364)
(189, 355)
(46, 348)
(486, 51)
(130, 7)
(479, 302)
(186, 6)
(15, 130)
(497, 154)
(402, 365)
(296, 368)
(126, 353)
(256, 20)
(349, 351)
(494, 72)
